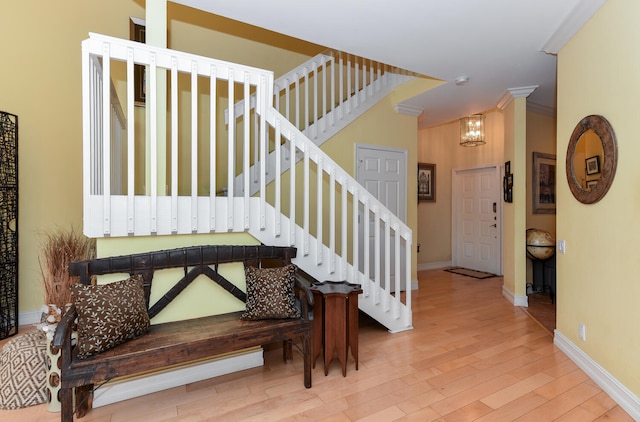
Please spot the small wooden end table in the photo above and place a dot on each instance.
(335, 322)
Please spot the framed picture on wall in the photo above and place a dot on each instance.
(426, 182)
(543, 186)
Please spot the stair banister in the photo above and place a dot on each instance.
(158, 212)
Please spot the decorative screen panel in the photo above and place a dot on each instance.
(8, 224)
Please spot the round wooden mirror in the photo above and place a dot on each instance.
(592, 157)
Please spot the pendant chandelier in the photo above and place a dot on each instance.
(472, 130)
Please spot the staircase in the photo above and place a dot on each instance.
(323, 95)
(313, 205)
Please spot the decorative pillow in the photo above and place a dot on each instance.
(270, 293)
(109, 314)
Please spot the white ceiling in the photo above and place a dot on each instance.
(498, 44)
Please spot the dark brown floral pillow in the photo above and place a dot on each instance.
(270, 293)
(109, 314)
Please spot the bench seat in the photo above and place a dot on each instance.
(180, 342)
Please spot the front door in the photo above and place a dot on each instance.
(477, 220)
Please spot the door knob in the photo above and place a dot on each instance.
(493, 225)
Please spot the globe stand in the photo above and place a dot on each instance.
(544, 276)
(541, 249)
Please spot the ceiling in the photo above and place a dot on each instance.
(501, 46)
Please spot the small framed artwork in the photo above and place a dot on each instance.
(426, 182)
(507, 183)
(137, 32)
(591, 184)
(543, 182)
(593, 164)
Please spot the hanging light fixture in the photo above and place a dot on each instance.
(472, 130)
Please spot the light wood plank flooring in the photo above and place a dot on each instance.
(471, 356)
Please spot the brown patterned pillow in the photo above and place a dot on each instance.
(109, 314)
(270, 293)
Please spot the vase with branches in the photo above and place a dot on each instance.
(58, 248)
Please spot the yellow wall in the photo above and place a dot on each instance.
(598, 276)
(441, 145)
(40, 83)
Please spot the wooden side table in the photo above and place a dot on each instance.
(335, 322)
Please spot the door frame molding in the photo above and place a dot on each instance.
(456, 174)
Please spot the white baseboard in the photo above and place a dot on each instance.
(434, 265)
(515, 300)
(29, 318)
(129, 388)
(618, 392)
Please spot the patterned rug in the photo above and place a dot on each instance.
(470, 273)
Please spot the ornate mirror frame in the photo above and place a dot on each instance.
(604, 130)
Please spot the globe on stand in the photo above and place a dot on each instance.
(540, 244)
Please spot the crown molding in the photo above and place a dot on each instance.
(571, 24)
(523, 91)
(520, 92)
(408, 110)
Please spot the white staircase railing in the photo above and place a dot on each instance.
(315, 207)
(323, 95)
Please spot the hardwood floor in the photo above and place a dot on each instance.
(471, 356)
(542, 310)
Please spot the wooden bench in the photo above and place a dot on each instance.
(179, 342)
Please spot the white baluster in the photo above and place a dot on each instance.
(278, 179)
(292, 191)
(315, 100)
(174, 145)
(264, 147)
(398, 268)
(246, 163)
(319, 211)
(343, 230)
(194, 147)
(152, 90)
(212, 147)
(231, 151)
(366, 242)
(332, 221)
(106, 137)
(131, 143)
(356, 243)
(305, 241)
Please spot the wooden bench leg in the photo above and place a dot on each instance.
(66, 404)
(84, 400)
(306, 347)
(287, 350)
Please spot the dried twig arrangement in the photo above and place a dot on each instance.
(58, 249)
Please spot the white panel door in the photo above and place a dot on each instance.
(477, 221)
(383, 172)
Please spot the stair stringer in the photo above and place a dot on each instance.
(374, 301)
(328, 126)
